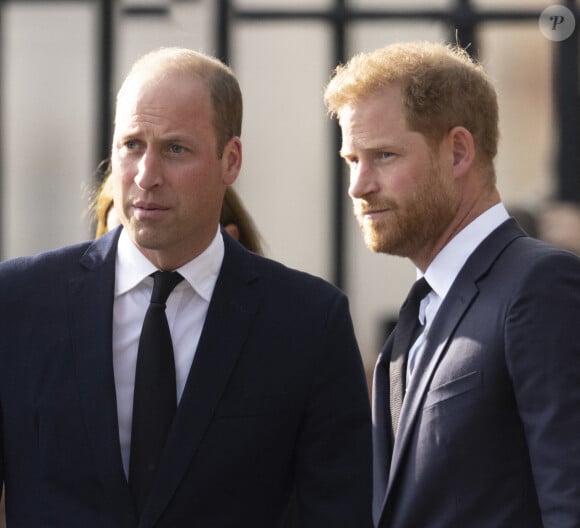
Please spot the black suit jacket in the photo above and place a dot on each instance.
(488, 433)
(275, 399)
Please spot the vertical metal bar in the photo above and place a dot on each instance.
(105, 75)
(223, 29)
(568, 113)
(464, 32)
(1, 136)
(338, 251)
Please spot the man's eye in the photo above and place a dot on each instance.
(176, 149)
(130, 145)
(385, 155)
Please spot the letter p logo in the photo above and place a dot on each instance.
(557, 23)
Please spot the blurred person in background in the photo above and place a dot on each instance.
(559, 224)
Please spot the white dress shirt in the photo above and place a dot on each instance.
(445, 268)
(186, 311)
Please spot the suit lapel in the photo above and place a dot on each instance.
(454, 307)
(91, 314)
(231, 311)
(451, 312)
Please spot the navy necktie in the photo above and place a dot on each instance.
(154, 397)
(406, 332)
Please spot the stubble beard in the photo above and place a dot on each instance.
(407, 228)
(146, 234)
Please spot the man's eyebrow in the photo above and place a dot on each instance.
(177, 138)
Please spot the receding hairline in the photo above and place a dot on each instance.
(165, 62)
(176, 58)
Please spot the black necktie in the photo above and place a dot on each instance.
(154, 397)
(405, 334)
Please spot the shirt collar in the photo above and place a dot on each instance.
(444, 269)
(132, 267)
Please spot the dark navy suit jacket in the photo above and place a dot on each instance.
(489, 432)
(276, 398)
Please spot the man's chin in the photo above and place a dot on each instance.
(376, 244)
(146, 237)
(379, 243)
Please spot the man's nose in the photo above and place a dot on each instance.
(149, 170)
(362, 180)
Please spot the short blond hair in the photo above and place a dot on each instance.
(441, 87)
(224, 90)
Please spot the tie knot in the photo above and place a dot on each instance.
(417, 292)
(163, 284)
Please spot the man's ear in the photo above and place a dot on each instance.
(232, 160)
(463, 149)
